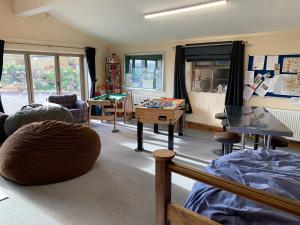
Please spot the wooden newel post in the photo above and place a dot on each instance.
(162, 185)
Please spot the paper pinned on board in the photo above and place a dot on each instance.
(248, 92)
(258, 62)
(291, 65)
(272, 82)
(271, 62)
(263, 89)
(257, 81)
(249, 77)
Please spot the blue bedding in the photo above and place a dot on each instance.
(273, 171)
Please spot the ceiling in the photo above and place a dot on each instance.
(122, 21)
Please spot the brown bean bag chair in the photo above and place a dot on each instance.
(48, 152)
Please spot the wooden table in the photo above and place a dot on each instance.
(108, 100)
(255, 120)
(160, 111)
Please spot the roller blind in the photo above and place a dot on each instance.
(205, 53)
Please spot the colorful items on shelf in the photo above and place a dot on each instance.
(113, 75)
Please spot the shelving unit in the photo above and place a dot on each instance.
(113, 77)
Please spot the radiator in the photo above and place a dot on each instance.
(290, 118)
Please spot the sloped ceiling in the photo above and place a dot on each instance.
(122, 21)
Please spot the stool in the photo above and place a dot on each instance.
(225, 124)
(277, 141)
(228, 139)
(221, 116)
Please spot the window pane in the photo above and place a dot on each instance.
(13, 86)
(70, 75)
(43, 77)
(144, 71)
(210, 76)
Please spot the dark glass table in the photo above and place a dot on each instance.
(255, 120)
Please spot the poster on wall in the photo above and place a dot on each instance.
(272, 60)
(258, 63)
(291, 65)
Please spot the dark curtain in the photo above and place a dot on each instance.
(1, 68)
(234, 94)
(91, 61)
(179, 78)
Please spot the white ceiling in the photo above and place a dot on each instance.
(122, 21)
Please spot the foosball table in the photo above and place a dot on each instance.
(167, 111)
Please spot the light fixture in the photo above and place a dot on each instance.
(185, 9)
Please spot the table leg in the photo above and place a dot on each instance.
(269, 141)
(90, 114)
(256, 141)
(115, 118)
(155, 128)
(139, 137)
(171, 137)
(180, 126)
(243, 142)
(124, 103)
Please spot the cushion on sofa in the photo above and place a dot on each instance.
(48, 152)
(67, 101)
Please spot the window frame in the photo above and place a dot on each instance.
(162, 72)
(28, 69)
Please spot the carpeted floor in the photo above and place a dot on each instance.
(119, 190)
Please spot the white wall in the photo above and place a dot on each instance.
(206, 105)
(43, 29)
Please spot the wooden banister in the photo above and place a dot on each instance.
(275, 201)
(167, 212)
(178, 215)
(162, 185)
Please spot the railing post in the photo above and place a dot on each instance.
(162, 185)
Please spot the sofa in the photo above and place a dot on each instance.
(77, 108)
(3, 118)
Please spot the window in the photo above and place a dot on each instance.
(210, 76)
(43, 77)
(13, 85)
(70, 75)
(47, 74)
(144, 71)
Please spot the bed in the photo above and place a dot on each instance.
(247, 187)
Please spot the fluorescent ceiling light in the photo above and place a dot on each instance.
(185, 9)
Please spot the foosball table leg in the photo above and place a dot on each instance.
(139, 137)
(171, 137)
(156, 131)
(180, 126)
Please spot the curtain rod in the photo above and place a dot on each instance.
(44, 45)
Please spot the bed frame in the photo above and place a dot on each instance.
(168, 212)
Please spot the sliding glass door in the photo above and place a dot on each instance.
(31, 77)
(70, 82)
(44, 77)
(13, 85)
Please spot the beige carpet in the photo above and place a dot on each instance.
(119, 190)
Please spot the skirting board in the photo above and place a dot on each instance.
(200, 126)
